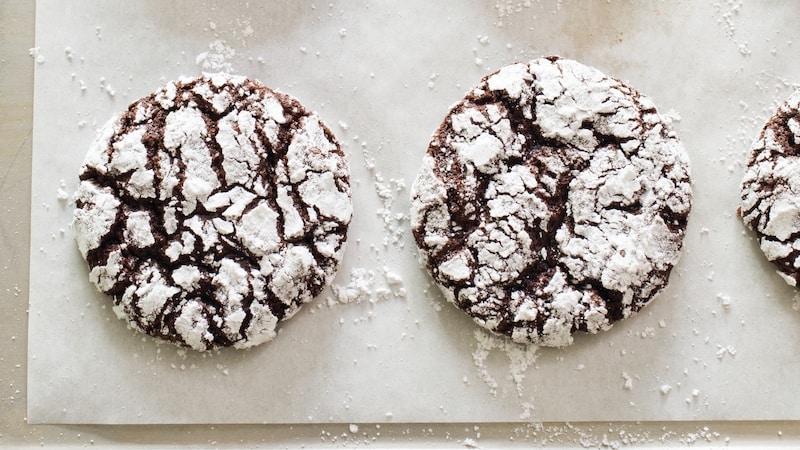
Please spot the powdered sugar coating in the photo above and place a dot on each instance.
(552, 199)
(211, 210)
(770, 190)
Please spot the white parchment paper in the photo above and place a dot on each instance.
(719, 343)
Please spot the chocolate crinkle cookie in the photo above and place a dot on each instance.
(552, 199)
(770, 189)
(211, 210)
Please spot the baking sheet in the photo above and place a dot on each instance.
(718, 344)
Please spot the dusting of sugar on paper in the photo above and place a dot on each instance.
(218, 58)
(520, 359)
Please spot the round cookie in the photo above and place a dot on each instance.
(552, 199)
(211, 210)
(770, 189)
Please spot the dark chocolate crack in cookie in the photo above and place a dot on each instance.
(552, 199)
(212, 210)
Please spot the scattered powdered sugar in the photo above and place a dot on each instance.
(470, 443)
(727, 11)
(387, 190)
(724, 300)
(61, 192)
(507, 8)
(520, 358)
(218, 58)
(526, 435)
(365, 285)
(36, 54)
(107, 88)
(628, 384)
(727, 350)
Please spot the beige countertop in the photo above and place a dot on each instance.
(17, 20)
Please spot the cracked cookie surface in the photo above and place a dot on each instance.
(211, 210)
(770, 190)
(552, 199)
